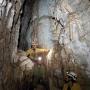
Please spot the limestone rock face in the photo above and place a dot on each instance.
(44, 21)
(9, 31)
(68, 21)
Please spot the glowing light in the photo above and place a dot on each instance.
(49, 56)
(39, 58)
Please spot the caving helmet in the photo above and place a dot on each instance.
(72, 75)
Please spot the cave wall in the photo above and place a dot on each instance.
(25, 19)
(9, 32)
(82, 7)
(40, 25)
(76, 36)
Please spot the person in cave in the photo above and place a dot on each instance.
(31, 52)
(71, 82)
(39, 69)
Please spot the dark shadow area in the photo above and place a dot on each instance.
(25, 19)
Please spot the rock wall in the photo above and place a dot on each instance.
(9, 32)
(25, 21)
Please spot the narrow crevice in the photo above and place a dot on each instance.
(25, 21)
